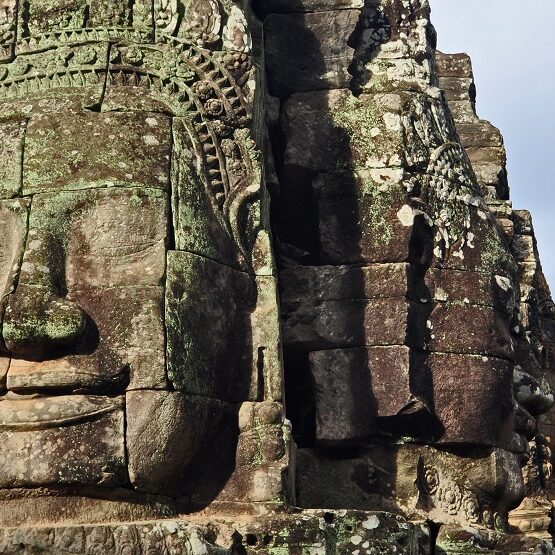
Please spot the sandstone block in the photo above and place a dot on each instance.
(303, 6)
(262, 434)
(392, 72)
(327, 283)
(197, 221)
(126, 97)
(12, 133)
(313, 326)
(489, 164)
(66, 506)
(263, 456)
(208, 308)
(261, 535)
(456, 88)
(75, 440)
(4, 365)
(111, 237)
(264, 483)
(71, 101)
(324, 481)
(523, 249)
(46, 21)
(45, 18)
(482, 155)
(13, 227)
(172, 441)
(471, 288)
(463, 111)
(309, 51)
(479, 135)
(465, 328)
(124, 341)
(266, 381)
(368, 217)
(462, 488)
(341, 531)
(453, 65)
(115, 237)
(79, 296)
(161, 536)
(355, 386)
(91, 149)
(523, 222)
(345, 408)
(472, 399)
(343, 131)
(475, 242)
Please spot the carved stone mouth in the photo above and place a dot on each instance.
(67, 375)
(50, 412)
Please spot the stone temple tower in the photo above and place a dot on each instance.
(262, 289)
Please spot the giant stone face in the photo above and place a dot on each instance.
(134, 249)
(140, 341)
(85, 321)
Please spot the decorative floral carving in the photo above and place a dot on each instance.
(203, 89)
(236, 36)
(133, 55)
(185, 71)
(449, 497)
(452, 194)
(86, 56)
(203, 22)
(19, 67)
(213, 107)
(470, 507)
(430, 480)
(222, 130)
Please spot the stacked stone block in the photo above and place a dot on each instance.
(401, 180)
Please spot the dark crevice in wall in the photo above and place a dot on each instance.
(434, 533)
(299, 397)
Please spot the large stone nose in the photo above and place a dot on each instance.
(38, 323)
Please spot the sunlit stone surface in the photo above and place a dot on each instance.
(262, 289)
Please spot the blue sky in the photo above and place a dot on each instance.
(512, 46)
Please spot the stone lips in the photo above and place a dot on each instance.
(48, 412)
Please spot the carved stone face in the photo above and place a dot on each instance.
(129, 282)
(85, 320)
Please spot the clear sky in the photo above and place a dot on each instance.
(512, 45)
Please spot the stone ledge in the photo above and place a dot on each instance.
(311, 532)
